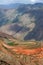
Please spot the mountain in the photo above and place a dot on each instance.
(10, 6)
(23, 22)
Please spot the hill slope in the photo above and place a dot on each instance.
(25, 52)
(24, 23)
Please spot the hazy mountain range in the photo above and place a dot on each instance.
(22, 21)
(11, 6)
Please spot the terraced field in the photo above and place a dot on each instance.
(15, 52)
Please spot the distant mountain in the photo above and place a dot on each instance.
(24, 22)
(11, 6)
(16, 5)
(38, 4)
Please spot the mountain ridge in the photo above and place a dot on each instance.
(15, 5)
(24, 22)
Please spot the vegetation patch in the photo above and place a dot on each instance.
(11, 43)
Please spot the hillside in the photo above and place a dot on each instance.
(24, 22)
(15, 52)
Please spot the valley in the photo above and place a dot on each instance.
(21, 34)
